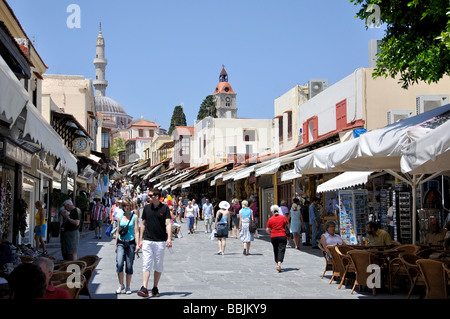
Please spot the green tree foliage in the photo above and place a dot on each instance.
(415, 45)
(208, 103)
(178, 118)
(117, 146)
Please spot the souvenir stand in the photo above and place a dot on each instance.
(353, 215)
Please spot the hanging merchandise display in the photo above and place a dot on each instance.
(5, 207)
(353, 215)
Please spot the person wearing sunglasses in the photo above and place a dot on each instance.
(155, 236)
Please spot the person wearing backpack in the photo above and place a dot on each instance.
(72, 218)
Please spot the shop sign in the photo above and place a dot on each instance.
(15, 153)
(45, 169)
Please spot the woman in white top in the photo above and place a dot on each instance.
(329, 237)
(190, 216)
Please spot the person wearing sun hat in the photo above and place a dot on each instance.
(222, 224)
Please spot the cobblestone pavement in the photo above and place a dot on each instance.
(195, 271)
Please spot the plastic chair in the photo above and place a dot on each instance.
(362, 260)
(328, 261)
(434, 277)
(414, 274)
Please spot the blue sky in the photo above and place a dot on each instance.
(168, 52)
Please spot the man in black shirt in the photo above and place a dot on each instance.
(155, 235)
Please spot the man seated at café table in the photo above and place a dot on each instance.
(436, 236)
(377, 236)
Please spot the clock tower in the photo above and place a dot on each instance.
(225, 97)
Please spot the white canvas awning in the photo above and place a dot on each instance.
(270, 168)
(244, 173)
(346, 179)
(13, 95)
(152, 171)
(38, 130)
(290, 175)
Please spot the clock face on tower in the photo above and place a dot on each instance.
(228, 99)
(80, 144)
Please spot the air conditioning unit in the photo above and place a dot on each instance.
(394, 116)
(425, 103)
(316, 86)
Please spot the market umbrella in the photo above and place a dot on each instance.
(429, 153)
(377, 150)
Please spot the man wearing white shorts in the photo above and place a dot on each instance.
(207, 211)
(155, 236)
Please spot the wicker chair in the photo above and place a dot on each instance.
(26, 259)
(414, 274)
(396, 267)
(73, 290)
(361, 260)
(446, 267)
(346, 260)
(340, 268)
(92, 262)
(60, 277)
(434, 277)
(328, 260)
(63, 266)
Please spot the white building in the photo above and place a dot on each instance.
(216, 141)
(360, 101)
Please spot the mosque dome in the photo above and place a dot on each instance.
(109, 107)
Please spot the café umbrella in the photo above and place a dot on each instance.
(377, 150)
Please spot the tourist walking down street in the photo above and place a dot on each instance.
(296, 225)
(180, 210)
(190, 217)
(72, 217)
(98, 217)
(39, 229)
(304, 214)
(222, 224)
(207, 212)
(155, 236)
(314, 221)
(126, 246)
(196, 213)
(246, 215)
(276, 228)
(234, 214)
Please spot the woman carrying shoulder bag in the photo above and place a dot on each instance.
(276, 227)
(126, 245)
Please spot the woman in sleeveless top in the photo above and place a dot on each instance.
(329, 237)
(222, 224)
(246, 215)
(39, 230)
(126, 246)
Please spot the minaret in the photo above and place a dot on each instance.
(100, 63)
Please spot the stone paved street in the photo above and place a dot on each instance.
(194, 271)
